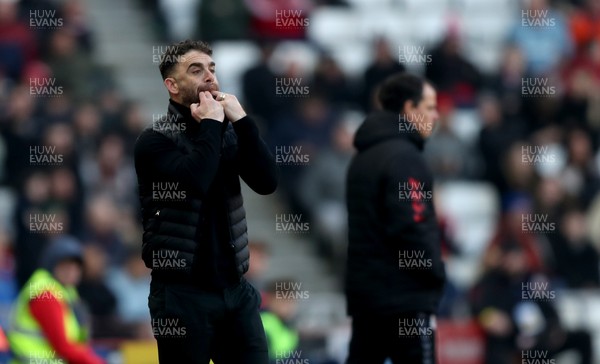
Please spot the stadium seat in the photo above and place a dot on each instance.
(592, 300)
(460, 342)
(499, 7)
(8, 201)
(370, 3)
(324, 309)
(424, 6)
(466, 125)
(580, 309)
(473, 209)
(390, 23)
(571, 308)
(302, 54)
(353, 58)
(331, 26)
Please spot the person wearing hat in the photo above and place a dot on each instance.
(47, 324)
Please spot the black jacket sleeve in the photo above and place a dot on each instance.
(256, 164)
(156, 156)
(405, 199)
(409, 218)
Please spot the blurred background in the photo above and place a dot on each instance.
(515, 155)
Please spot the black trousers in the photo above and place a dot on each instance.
(579, 341)
(192, 325)
(406, 338)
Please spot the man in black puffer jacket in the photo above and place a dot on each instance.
(195, 239)
(395, 274)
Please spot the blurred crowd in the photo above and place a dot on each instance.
(91, 192)
(66, 159)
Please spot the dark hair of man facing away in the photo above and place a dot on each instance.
(174, 52)
(397, 89)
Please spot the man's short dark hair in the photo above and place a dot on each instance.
(173, 54)
(395, 90)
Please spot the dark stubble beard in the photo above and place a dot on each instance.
(191, 96)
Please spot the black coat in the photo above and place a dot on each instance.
(394, 256)
(192, 208)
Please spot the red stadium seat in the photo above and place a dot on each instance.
(460, 342)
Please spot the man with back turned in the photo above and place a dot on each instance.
(394, 274)
(195, 240)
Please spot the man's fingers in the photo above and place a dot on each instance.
(202, 96)
(219, 96)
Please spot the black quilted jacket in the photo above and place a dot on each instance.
(188, 179)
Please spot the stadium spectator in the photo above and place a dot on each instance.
(66, 194)
(8, 285)
(506, 83)
(581, 78)
(110, 173)
(71, 67)
(20, 129)
(575, 259)
(75, 17)
(258, 86)
(585, 24)
(259, 264)
(498, 132)
(102, 218)
(278, 19)
(111, 108)
(130, 282)
(48, 323)
(276, 315)
(17, 42)
(543, 36)
(383, 65)
(511, 230)
(550, 197)
(100, 299)
(305, 129)
(330, 81)
(322, 191)
(519, 176)
(449, 156)
(134, 122)
(452, 73)
(580, 177)
(211, 17)
(34, 200)
(86, 125)
(513, 304)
